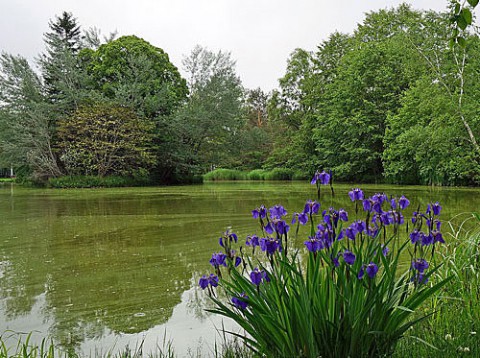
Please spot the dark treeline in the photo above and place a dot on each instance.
(394, 101)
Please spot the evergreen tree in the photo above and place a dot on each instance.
(62, 74)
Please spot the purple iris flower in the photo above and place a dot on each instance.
(342, 215)
(311, 207)
(210, 280)
(356, 194)
(361, 273)
(325, 237)
(360, 226)
(385, 250)
(218, 259)
(420, 265)
(414, 217)
(203, 282)
(270, 245)
(380, 197)
(277, 225)
(371, 270)
(436, 208)
(393, 203)
(349, 257)
(213, 280)
(231, 236)
(335, 261)
(302, 218)
(375, 203)
(281, 226)
(340, 235)
(241, 301)
(269, 228)
(373, 231)
(313, 244)
(351, 232)
(367, 205)
(403, 202)
(437, 236)
(415, 236)
(377, 207)
(238, 261)
(277, 211)
(323, 178)
(252, 241)
(257, 276)
(260, 212)
(420, 278)
(426, 240)
(387, 218)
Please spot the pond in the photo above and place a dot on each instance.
(100, 269)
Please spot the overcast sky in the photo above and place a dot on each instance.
(260, 34)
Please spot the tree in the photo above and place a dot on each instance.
(26, 128)
(257, 101)
(132, 72)
(105, 139)
(63, 77)
(209, 123)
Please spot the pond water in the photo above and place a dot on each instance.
(100, 269)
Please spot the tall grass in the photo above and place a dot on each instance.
(25, 349)
(279, 174)
(454, 329)
(224, 174)
(256, 174)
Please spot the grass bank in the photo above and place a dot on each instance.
(257, 175)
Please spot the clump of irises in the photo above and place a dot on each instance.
(350, 292)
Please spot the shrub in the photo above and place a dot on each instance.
(257, 174)
(299, 175)
(224, 174)
(349, 295)
(279, 174)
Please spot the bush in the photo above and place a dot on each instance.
(279, 174)
(351, 294)
(224, 174)
(298, 175)
(257, 174)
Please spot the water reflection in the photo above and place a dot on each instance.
(97, 269)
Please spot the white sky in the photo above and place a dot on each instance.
(260, 34)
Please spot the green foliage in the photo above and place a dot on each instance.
(257, 174)
(26, 128)
(424, 143)
(224, 174)
(279, 174)
(105, 140)
(390, 101)
(208, 126)
(299, 175)
(132, 72)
